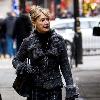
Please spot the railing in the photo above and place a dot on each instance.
(91, 46)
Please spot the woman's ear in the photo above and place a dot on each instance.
(33, 22)
(34, 25)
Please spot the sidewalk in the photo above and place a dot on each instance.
(86, 76)
(90, 63)
(7, 76)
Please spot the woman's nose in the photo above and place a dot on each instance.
(46, 22)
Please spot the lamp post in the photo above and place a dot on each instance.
(78, 37)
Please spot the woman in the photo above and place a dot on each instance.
(46, 51)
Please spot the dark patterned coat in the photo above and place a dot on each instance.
(47, 56)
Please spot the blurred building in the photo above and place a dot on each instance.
(65, 5)
(86, 7)
(91, 7)
(5, 6)
(15, 6)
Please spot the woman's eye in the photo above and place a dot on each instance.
(42, 20)
(46, 19)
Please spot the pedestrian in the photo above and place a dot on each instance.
(22, 29)
(47, 55)
(9, 26)
(2, 39)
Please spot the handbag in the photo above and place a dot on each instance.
(18, 84)
(96, 30)
(22, 85)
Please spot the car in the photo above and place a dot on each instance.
(91, 44)
(65, 27)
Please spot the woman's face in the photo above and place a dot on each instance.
(42, 24)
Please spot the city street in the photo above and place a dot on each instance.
(86, 76)
(75, 22)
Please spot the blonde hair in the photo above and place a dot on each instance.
(36, 11)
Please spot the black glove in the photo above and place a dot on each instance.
(71, 93)
(19, 69)
(24, 69)
(29, 69)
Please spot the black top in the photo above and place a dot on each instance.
(44, 39)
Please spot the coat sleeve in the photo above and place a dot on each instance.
(20, 60)
(21, 54)
(66, 70)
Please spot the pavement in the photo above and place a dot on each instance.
(7, 77)
(86, 76)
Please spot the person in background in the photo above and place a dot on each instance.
(47, 55)
(2, 39)
(22, 29)
(9, 26)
